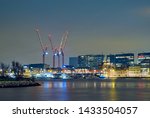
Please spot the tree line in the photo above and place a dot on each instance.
(16, 68)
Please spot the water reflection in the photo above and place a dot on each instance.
(113, 94)
(81, 90)
(95, 84)
(55, 85)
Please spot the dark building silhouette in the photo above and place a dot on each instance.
(73, 61)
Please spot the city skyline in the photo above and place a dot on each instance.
(94, 26)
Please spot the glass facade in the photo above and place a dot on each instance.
(143, 56)
(121, 60)
(90, 61)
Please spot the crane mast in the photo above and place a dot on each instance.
(59, 51)
(49, 37)
(62, 46)
(65, 39)
(39, 37)
(54, 50)
(44, 49)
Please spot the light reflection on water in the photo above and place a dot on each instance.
(82, 90)
(102, 90)
(95, 84)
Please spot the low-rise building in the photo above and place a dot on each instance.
(134, 71)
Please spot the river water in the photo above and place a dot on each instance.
(80, 90)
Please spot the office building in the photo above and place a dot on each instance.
(123, 60)
(110, 59)
(142, 57)
(90, 61)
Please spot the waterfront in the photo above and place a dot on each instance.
(80, 90)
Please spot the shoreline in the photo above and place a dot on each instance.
(120, 79)
(29, 83)
(16, 84)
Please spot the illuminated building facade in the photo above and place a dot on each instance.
(110, 59)
(37, 67)
(145, 67)
(134, 71)
(142, 57)
(123, 60)
(144, 62)
(91, 61)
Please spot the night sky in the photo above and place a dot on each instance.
(95, 27)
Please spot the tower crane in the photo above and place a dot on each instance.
(62, 46)
(44, 48)
(58, 51)
(54, 50)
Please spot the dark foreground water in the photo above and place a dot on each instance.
(80, 90)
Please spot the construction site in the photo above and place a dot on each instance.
(56, 51)
(57, 55)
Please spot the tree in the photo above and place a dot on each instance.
(4, 68)
(18, 69)
(14, 70)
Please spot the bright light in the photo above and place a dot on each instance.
(59, 52)
(25, 66)
(64, 66)
(48, 75)
(46, 53)
(64, 76)
(11, 75)
(141, 56)
(38, 75)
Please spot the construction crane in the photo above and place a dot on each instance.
(44, 48)
(58, 51)
(54, 50)
(62, 46)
